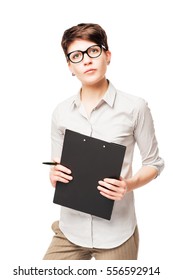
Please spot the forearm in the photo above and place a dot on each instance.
(141, 178)
(116, 189)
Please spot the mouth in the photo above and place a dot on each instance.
(90, 71)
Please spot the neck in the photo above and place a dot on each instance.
(94, 92)
(91, 95)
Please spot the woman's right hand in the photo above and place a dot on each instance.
(59, 173)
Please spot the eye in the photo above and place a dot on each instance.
(94, 50)
(75, 56)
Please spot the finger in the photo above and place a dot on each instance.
(121, 184)
(56, 159)
(112, 181)
(62, 180)
(111, 197)
(109, 194)
(62, 175)
(60, 167)
(55, 179)
(110, 186)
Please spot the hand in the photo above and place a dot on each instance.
(59, 173)
(112, 188)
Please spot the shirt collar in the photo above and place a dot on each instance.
(77, 100)
(109, 96)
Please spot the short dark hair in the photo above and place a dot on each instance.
(85, 31)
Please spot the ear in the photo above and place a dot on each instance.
(71, 68)
(108, 56)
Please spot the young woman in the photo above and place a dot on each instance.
(103, 112)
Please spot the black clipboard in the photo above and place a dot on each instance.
(90, 160)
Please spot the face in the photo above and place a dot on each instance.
(90, 70)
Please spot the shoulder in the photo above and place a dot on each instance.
(131, 102)
(64, 106)
(130, 99)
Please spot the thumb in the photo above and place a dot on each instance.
(56, 159)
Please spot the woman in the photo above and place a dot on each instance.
(103, 112)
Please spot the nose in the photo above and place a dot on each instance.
(87, 59)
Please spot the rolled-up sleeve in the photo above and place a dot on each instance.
(145, 137)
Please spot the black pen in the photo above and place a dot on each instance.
(50, 163)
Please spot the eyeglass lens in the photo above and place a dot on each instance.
(93, 52)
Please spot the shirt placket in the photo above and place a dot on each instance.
(91, 120)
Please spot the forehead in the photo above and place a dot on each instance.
(81, 45)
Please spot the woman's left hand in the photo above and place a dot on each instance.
(112, 188)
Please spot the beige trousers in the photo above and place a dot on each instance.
(62, 249)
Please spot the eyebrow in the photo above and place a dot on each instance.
(86, 48)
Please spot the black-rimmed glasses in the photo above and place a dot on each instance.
(93, 52)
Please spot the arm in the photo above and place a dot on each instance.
(142, 177)
(58, 173)
(152, 164)
(116, 189)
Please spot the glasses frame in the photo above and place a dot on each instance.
(86, 51)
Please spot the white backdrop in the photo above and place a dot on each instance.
(35, 77)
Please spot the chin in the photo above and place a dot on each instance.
(92, 82)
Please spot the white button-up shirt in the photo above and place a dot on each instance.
(120, 118)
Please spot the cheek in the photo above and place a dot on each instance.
(76, 69)
(103, 67)
(70, 67)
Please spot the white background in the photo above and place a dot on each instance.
(35, 78)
